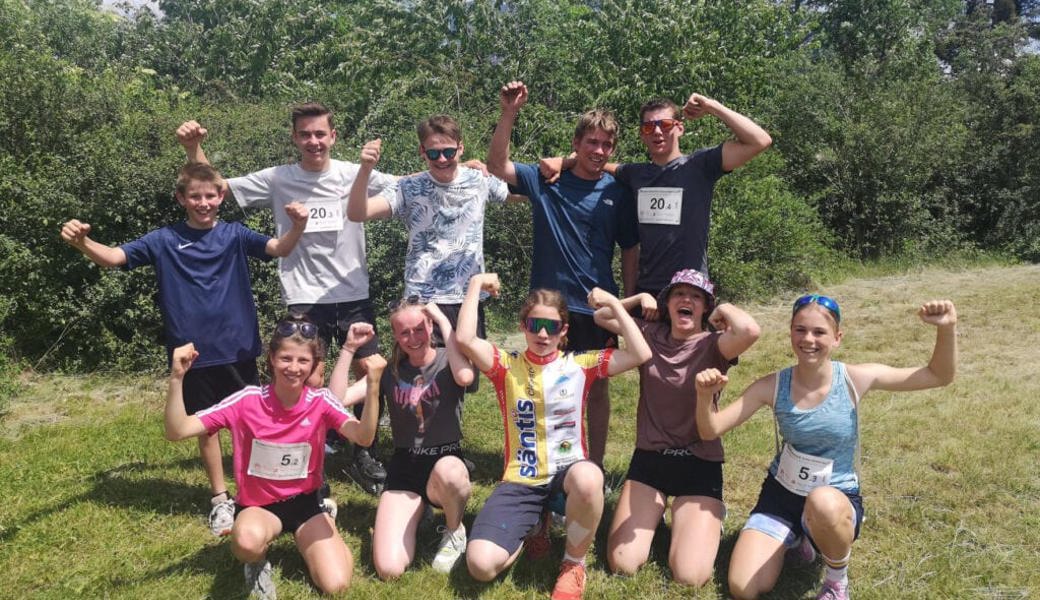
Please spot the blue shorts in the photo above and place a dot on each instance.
(779, 513)
(513, 510)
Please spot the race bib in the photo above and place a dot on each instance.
(279, 462)
(800, 473)
(324, 215)
(660, 206)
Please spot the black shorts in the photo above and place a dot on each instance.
(676, 473)
(787, 507)
(409, 471)
(206, 386)
(334, 320)
(583, 334)
(514, 509)
(292, 512)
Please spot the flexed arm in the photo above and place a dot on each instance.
(357, 336)
(363, 432)
(751, 138)
(941, 368)
(461, 368)
(636, 350)
(76, 233)
(284, 245)
(739, 329)
(480, 352)
(361, 207)
(178, 423)
(713, 422)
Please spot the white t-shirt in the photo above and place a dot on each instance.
(445, 223)
(328, 265)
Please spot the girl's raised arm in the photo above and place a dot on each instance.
(357, 336)
(713, 422)
(179, 424)
(636, 350)
(939, 371)
(480, 352)
(461, 368)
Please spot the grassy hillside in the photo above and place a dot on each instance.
(95, 504)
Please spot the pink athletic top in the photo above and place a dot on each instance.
(278, 452)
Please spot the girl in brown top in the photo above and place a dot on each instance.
(670, 459)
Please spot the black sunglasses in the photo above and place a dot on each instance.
(413, 300)
(306, 329)
(435, 153)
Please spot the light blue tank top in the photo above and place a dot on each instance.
(828, 430)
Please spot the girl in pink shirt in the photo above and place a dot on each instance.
(279, 451)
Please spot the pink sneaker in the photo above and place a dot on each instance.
(834, 590)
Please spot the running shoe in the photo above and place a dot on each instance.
(259, 581)
(804, 551)
(367, 472)
(328, 505)
(537, 542)
(834, 590)
(221, 516)
(453, 544)
(570, 585)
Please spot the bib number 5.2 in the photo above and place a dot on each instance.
(279, 462)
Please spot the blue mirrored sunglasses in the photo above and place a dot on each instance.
(824, 301)
(435, 153)
(288, 328)
(536, 324)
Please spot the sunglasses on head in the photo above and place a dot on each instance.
(536, 324)
(824, 301)
(413, 300)
(307, 330)
(435, 153)
(666, 125)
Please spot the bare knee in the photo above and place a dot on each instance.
(827, 507)
(585, 483)
(744, 588)
(333, 582)
(692, 575)
(482, 568)
(248, 544)
(389, 569)
(623, 564)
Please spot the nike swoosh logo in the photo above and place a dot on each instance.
(183, 246)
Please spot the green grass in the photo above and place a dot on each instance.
(96, 504)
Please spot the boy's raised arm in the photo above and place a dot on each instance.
(511, 97)
(76, 233)
(751, 139)
(283, 245)
(190, 135)
(360, 206)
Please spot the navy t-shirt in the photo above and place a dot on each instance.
(576, 224)
(673, 205)
(204, 290)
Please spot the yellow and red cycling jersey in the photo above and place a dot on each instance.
(542, 400)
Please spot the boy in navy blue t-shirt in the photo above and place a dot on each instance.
(205, 297)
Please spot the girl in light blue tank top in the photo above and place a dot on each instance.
(829, 430)
(810, 500)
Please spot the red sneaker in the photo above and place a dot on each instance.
(570, 585)
(537, 542)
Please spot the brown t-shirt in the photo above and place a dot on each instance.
(667, 413)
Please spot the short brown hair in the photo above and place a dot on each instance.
(657, 104)
(546, 297)
(198, 172)
(597, 118)
(439, 125)
(311, 109)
